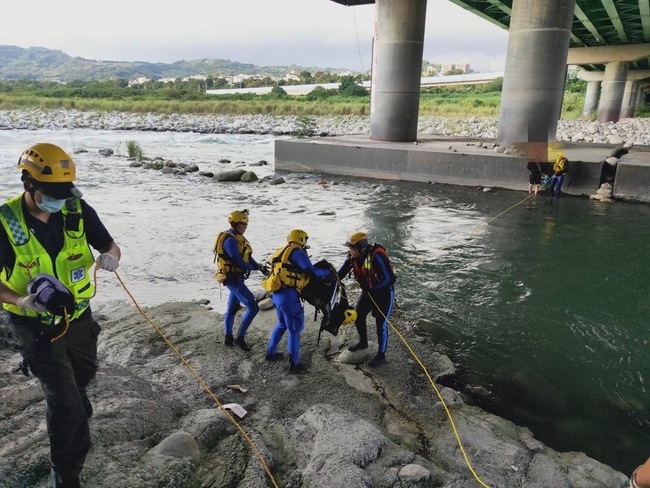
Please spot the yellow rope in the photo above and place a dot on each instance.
(207, 389)
(424, 368)
(196, 375)
(435, 388)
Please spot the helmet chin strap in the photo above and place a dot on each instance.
(30, 188)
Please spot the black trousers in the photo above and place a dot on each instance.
(64, 368)
(381, 311)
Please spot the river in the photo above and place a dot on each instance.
(542, 304)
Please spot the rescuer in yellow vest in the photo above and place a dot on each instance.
(235, 261)
(560, 168)
(291, 270)
(48, 231)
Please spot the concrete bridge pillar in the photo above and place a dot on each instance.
(534, 78)
(642, 94)
(630, 96)
(397, 68)
(611, 98)
(591, 97)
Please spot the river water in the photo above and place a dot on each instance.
(542, 304)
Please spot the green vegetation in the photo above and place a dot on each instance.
(134, 150)
(189, 97)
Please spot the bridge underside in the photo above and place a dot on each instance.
(595, 23)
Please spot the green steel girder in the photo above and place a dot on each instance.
(595, 22)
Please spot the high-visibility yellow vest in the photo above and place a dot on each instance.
(71, 266)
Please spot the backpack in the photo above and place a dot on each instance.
(328, 297)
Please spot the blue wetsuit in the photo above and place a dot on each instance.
(291, 315)
(239, 292)
(381, 303)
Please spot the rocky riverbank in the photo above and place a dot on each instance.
(626, 131)
(342, 424)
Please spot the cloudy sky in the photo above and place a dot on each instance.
(262, 32)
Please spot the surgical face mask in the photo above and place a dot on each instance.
(49, 204)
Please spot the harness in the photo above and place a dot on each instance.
(225, 265)
(283, 272)
(364, 271)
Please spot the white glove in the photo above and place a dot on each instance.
(28, 303)
(107, 261)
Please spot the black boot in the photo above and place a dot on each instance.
(363, 337)
(380, 358)
(63, 481)
(228, 341)
(241, 344)
(277, 356)
(296, 368)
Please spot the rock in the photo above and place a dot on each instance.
(266, 303)
(277, 181)
(248, 177)
(234, 175)
(612, 161)
(338, 425)
(414, 474)
(178, 444)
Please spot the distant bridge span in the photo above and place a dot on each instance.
(427, 81)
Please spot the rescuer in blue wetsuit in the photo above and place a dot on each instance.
(374, 272)
(234, 263)
(291, 269)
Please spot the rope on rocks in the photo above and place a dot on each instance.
(423, 367)
(196, 375)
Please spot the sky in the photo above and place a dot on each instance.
(319, 33)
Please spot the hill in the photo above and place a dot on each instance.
(39, 63)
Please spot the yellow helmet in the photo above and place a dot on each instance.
(52, 168)
(48, 163)
(349, 316)
(358, 239)
(238, 216)
(298, 236)
(559, 155)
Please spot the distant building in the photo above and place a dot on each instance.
(292, 76)
(139, 81)
(429, 71)
(446, 67)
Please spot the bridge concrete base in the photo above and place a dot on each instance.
(460, 161)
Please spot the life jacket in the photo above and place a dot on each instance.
(224, 265)
(70, 266)
(365, 272)
(284, 273)
(559, 167)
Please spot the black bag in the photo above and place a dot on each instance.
(51, 294)
(319, 291)
(327, 295)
